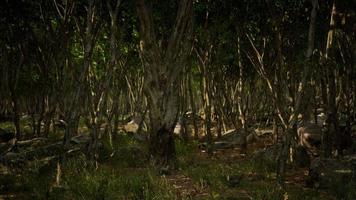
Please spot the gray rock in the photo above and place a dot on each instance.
(235, 137)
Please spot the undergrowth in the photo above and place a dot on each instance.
(121, 174)
(124, 172)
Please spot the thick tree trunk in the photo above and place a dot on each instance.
(162, 145)
(163, 117)
(163, 67)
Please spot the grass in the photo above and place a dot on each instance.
(258, 180)
(125, 173)
(110, 183)
(127, 177)
(80, 181)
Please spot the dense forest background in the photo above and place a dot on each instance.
(189, 99)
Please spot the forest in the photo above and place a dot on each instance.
(178, 99)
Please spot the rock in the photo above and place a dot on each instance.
(223, 145)
(235, 137)
(131, 127)
(231, 139)
(178, 128)
(81, 139)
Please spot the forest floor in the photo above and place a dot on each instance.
(228, 174)
(125, 173)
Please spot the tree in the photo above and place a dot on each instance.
(163, 60)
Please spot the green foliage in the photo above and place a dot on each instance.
(258, 178)
(125, 152)
(342, 187)
(79, 181)
(184, 149)
(213, 175)
(109, 183)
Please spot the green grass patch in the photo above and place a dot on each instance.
(80, 181)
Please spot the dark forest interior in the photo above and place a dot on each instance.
(188, 99)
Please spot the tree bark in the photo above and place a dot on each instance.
(193, 107)
(330, 93)
(73, 112)
(163, 68)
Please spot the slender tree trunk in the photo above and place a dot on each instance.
(207, 109)
(50, 109)
(192, 104)
(183, 109)
(13, 94)
(242, 115)
(205, 84)
(16, 117)
(41, 116)
(73, 112)
(217, 110)
(331, 122)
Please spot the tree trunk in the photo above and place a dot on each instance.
(275, 132)
(183, 109)
(73, 112)
(16, 117)
(240, 88)
(192, 104)
(163, 115)
(41, 116)
(207, 110)
(163, 67)
(331, 122)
